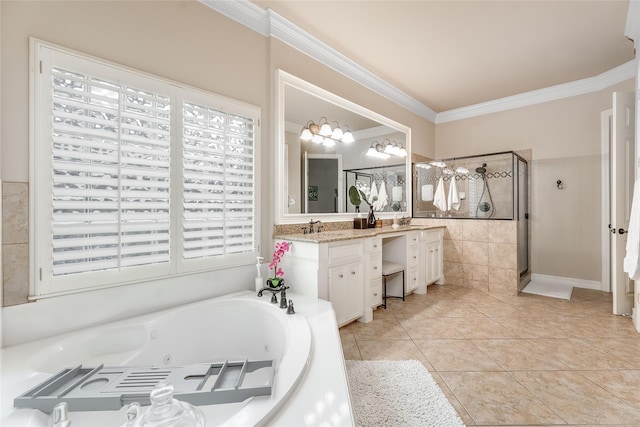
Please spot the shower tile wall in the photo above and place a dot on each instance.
(15, 242)
(480, 254)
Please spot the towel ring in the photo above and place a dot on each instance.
(560, 184)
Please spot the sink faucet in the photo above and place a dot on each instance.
(311, 224)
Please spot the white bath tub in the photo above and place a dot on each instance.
(234, 327)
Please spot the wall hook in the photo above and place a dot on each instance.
(560, 184)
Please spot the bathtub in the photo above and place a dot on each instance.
(234, 327)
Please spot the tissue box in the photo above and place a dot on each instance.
(360, 223)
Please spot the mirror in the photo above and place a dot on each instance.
(314, 176)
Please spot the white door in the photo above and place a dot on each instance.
(621, 192)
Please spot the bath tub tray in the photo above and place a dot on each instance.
(111, 388)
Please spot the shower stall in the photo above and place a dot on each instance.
(489, 187)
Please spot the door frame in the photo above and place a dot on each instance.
(605, 138)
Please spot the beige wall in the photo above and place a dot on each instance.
(565, 138)
(183, 41)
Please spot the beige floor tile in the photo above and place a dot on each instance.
(579, 354)
(518, 355)
(479, 328)
(462, 413)
(389, 350)
(513, 360)
(577, 399)
(622, 384)
(420, 328)
(456, 355)
(382, 329)
(496, 398)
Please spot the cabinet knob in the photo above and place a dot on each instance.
(375, 267)
(414, 257)
(353, 273)
(375, 246)
(341, 276)
(375, 294)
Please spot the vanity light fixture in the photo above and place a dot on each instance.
(461, 170)
(347, 136)
(377, 150)
(319, 132)
(386, 149)
(325, 128)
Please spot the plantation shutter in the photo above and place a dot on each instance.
(110, 186)
(218, 180)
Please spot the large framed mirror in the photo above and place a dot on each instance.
(316, 166)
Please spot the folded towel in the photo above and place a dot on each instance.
(382, 198)
(396, 194)
(427, 193)
(440, 200)
(453, 201)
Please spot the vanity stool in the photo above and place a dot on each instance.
(390, 269)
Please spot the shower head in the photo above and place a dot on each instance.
(482, 169)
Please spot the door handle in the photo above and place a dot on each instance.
(622, 231)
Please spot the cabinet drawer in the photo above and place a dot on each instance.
(345, 253)
(413, 238)
(375, 265)
(412, 256)
(432, 235)
(373, 244)
(375, 293)
(412, 279)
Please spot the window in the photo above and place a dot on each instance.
(135, 177)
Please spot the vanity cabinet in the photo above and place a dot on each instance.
(348, 272)
(431, 254)
(345, 284)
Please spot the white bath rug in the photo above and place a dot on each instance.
(397, 393)
(548, 288)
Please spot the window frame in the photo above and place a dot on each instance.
(43, 57)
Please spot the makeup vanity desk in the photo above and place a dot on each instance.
(345, 266)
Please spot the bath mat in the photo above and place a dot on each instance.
(397, 393)
(548, 288)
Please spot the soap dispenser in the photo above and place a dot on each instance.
(259, 281)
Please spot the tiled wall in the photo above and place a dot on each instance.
(15, 243)
(480, 254)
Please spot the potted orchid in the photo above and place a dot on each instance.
(280, 250)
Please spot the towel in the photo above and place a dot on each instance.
(373, 193)
(453, 201)
(396, 194)
(382, 198)
(439, 200)
(632, 258)
(427, 193)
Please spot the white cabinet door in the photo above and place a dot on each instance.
(434, 261)
(346, 291)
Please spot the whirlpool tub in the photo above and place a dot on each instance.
(234, 327)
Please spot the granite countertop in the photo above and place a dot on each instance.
(350, 234)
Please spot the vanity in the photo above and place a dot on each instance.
(316, 169)
(345, 266)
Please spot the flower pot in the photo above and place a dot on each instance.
(275, 282)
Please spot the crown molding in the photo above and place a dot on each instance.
(270, 24)
(243, 12)
(579, 87)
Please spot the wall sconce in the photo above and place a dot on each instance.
(323, 133)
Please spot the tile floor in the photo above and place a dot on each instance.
(506, 360)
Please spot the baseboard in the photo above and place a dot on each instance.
(576, 283)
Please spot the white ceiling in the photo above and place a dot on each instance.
(451, 54)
